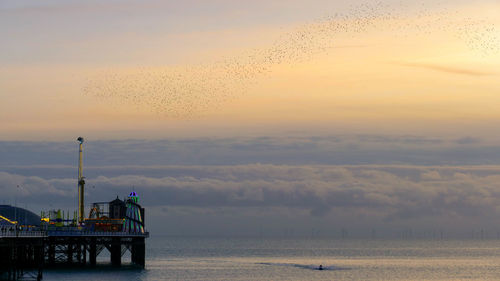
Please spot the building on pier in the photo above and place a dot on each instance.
(21, 216)
(134, 217)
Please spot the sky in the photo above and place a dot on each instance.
(242, 118)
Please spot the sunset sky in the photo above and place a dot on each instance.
(390, 101)
(433, 68)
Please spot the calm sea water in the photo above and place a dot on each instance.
(171, 258)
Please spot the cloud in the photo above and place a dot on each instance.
(446, 69)
(468, 140)
(388, 192)
(286, 150)
(342, 181)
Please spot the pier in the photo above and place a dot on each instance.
(82, 247)
(55, 240)
(24, 253)
(21, 254)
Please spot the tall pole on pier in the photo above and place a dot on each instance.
(81, 183)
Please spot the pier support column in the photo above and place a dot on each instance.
(139, 251)
(51, 251)
(79, 252)
(93, 251)
(39, 259)
(70, 252)
(116, 251)
(84, 253)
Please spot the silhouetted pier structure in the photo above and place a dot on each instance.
(83, 247)
(24, 253)
(21, 254)
(55, 240)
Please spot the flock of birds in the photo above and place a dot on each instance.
(189, 91)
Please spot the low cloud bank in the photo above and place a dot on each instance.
(217, 185)
(390, 193)
(289, 150)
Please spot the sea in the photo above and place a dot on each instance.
(189, 258)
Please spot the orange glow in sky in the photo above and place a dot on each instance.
(399, 69)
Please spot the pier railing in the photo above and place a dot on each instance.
(60, 233)
(14, 233)
(96, 233)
